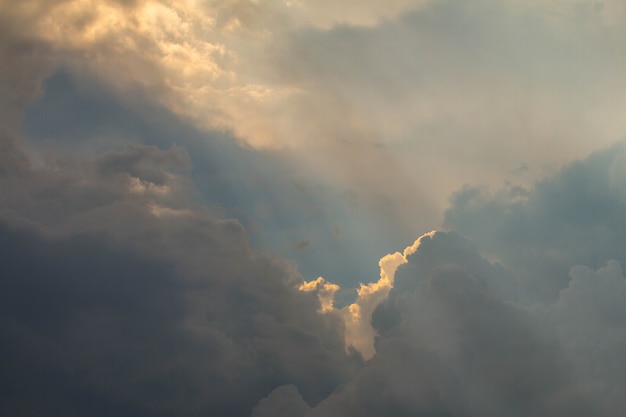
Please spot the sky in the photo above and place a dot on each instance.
(266, 208)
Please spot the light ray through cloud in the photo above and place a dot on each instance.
(312, 208)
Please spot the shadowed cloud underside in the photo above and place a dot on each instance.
(204, 204)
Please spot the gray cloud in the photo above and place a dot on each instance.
(78, 117)
(140, 332)
(451, 93)
(574, 217)
(527, 330)
(122, 294)
(464, 90)
(303, 244)
(452, 303)
(119, 296)
(452, 343)
(137, 302)
(283, 401)
(591, 315)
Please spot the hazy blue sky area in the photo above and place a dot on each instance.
(263, 208)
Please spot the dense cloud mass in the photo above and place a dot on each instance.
(458, 337)
(576, 216)
(159, 158)
(133, 306)
(538, 330)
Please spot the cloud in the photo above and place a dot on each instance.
(122, 296)
(283, 401)
(203, 60)
(77, 117)
(574, 217)
(592, 325)
(324, 290)
(433, 93)
(140, 332)
(281, 73)
(451, 302)
(446, 94)
(359, 332)
(303, 244)
(536, 326)
(452, 341)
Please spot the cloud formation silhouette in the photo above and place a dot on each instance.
(120, 297)
(530, 332)
(146, 147)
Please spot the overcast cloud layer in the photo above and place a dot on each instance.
(204, 204)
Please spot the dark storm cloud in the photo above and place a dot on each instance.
(123, 298)
(89, 326)
(540, 332)
(453, 343)
(74, 193)
(283, 401)
(577, 216)
(117, 298)
(450, 301)
(120, 296)
(591, 317)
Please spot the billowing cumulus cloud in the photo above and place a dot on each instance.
(592, 324)
(574, 217)
(121, 296)
(456, 334)
(357, 316)
(452, 342)
(155, 154)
